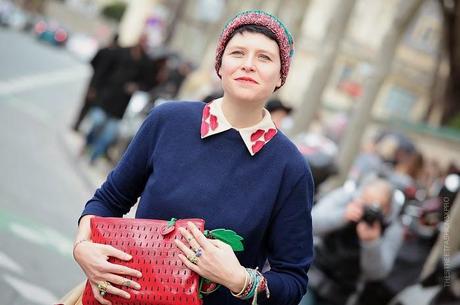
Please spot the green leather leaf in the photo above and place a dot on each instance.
(229, 237)
(171, 222)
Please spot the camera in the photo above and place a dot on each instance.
(372, 213)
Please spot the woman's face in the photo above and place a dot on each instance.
(250, 67)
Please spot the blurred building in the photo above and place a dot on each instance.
(191, 27)
(406, 92)
(35, 6)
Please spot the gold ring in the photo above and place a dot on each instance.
(193, 259)
(102, 287)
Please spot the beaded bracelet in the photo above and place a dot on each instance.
(262, 286)
(256, 284)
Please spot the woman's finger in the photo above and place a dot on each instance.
(122, 281)
(190, 239)
(186, 250)
(122, 270)
(114, 252)
(199, 236)
(98, 296)
(116, 291)
(189, 264)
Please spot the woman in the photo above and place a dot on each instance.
(224, 162)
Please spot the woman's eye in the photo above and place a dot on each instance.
(237, 53)
(265, 57)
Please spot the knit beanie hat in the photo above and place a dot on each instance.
(261, 18)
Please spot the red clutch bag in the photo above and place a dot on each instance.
(165, 279)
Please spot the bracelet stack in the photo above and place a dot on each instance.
(254, 283)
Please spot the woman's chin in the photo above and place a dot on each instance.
(245, 94)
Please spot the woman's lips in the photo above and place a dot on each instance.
(246, 80)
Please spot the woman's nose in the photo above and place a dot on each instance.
(248, 64)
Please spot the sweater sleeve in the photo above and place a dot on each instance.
(290, 245)
(126, 182)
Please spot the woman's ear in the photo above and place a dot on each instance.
(278, 84)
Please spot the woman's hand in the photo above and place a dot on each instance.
(215, 260)
(93, 259)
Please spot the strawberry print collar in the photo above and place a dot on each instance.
(255, 137)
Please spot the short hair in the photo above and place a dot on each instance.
(252, 28)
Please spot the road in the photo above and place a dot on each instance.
(43, 186)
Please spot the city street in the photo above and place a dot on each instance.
(43, 185)
(376, 80)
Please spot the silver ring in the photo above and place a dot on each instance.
(198, 252)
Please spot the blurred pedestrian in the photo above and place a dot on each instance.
(132, 70)
(224, 162)
(102, 63)
(175, 78)
(390, 155)
(394, 146)
(359, 238)
(432, 175)
(278, 111)
(407, 173)
(213, 96)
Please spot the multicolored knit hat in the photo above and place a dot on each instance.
(261, 18)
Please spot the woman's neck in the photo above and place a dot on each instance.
(241, 114)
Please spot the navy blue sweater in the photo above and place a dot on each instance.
(266, 198)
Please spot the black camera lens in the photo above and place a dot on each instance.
(372, 213)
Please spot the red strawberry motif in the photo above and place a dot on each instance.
(270, 134)
(206, 112)
(208, 287)
(257, 146)
(213, 122)
(256, 135)
(204, 128)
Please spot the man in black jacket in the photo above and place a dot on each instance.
(131, 70)
(101, 63)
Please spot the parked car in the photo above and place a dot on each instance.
(12, 16)
(51, 32)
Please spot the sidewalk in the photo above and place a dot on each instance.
(92, 175)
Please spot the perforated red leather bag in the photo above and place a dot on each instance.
(165, 279)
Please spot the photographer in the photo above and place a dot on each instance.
(358, 239)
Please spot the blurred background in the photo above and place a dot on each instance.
(370, 80)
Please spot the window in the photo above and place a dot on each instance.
(399, 103)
